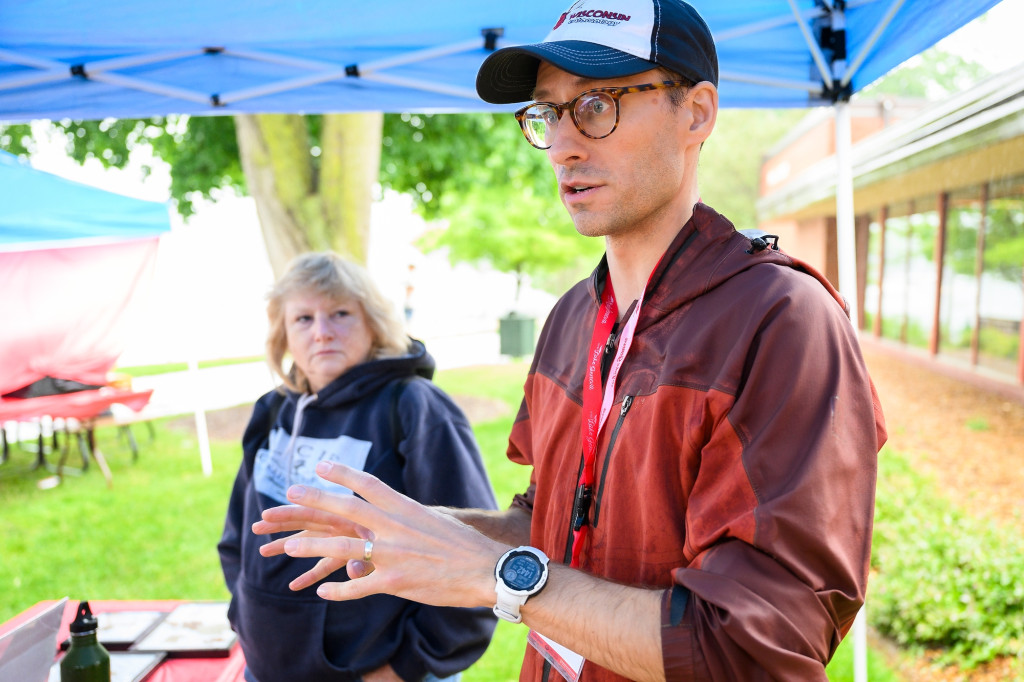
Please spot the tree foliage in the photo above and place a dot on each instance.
(496, 195)
(202, 151)
(932, 74)
(730, 162)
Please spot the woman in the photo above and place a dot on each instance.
(357, 392)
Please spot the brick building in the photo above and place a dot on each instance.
(939, 205)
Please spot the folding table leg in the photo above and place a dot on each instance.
(5, 454)
(40, 457)
(98, 456)
(83, 449)
(126, 431)
(64, 451)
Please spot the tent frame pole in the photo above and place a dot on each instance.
(846, 252)
(846, 241)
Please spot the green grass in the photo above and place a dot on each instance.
(840, 669)
(150, 370)
(154, 534)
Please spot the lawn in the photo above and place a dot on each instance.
(154, 534)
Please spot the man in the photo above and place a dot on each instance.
(699, 421)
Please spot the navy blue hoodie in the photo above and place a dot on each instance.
(298, 636)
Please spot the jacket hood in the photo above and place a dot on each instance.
(706, 252)
(367, 378)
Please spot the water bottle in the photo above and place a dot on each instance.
(86, 660)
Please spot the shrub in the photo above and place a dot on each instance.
(944, 580)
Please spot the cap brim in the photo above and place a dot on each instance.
(510, 74)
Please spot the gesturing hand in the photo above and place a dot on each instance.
(419, 553)
(314, 524)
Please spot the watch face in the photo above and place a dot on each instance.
(521, 572)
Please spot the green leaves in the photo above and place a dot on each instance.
(943, 579)
(494, 195)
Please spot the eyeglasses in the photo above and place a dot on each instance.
(595, 113)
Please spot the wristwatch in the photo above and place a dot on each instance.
(519, 574)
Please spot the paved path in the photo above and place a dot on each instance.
(215, 388)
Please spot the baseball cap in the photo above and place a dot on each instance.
(606, 39)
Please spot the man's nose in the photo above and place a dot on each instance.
(568, 144)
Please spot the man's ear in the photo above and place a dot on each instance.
(703, 103)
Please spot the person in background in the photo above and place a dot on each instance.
(357, 392)
(700, 425)
(410, 289)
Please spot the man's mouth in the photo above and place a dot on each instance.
(571, 189)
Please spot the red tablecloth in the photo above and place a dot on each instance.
(81, 405)
(224, 669)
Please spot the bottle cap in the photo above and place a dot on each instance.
(84, 620)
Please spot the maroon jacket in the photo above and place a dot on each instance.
(736, 470)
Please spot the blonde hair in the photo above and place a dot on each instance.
(328, 274)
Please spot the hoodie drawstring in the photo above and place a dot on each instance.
(300, 407)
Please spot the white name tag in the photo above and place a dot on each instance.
(566, 662)
(276, 469)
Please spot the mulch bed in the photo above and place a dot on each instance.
(971, 442)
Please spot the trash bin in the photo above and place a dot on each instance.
(516, 334)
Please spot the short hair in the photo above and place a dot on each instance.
(328, 274)
(676, 96)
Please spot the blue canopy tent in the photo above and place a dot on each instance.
(122, 59)
(42, 210)
(60, 59)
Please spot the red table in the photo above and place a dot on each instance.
(83, 406)
(80, 405)
(224, 669)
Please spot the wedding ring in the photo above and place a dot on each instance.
(368, 551)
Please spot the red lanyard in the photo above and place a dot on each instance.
(597, 405)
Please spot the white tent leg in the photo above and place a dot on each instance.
(201, 431)
(860, 647)
(846, 248)
(846, 240)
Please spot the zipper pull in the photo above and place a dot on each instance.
(626, 402)
(609, 346)
(581, 506)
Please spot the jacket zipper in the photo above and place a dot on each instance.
(627, 402)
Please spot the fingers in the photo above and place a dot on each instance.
(343, 548)
(353, 589)
(274, 547)
(367, 486)
(295, 517)
(323, 568)
(358, 568)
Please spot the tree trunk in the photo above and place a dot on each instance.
(274, 155)
(302, 208)
(349, 169)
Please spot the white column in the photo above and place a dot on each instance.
(846, 239)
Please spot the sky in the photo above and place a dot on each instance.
(993, 39)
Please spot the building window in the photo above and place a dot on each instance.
(959, 301)
(981, 283)
(1001, 302)
(908, 289)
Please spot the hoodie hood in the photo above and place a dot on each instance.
(706, 252)
(368, 377)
